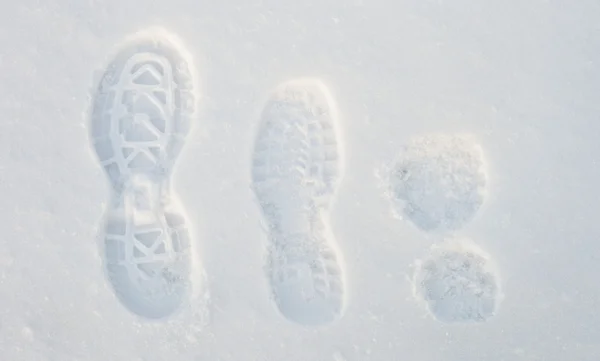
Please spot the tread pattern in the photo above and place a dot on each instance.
(140, 117)
(295, 170)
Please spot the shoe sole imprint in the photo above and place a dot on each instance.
(140, 116)
(295, 170)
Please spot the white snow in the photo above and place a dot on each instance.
(521, 265)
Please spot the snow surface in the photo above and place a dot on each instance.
(512, 278)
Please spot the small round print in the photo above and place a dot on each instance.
(438, 181)
(458, 283)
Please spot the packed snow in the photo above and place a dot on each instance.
(303, 181)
